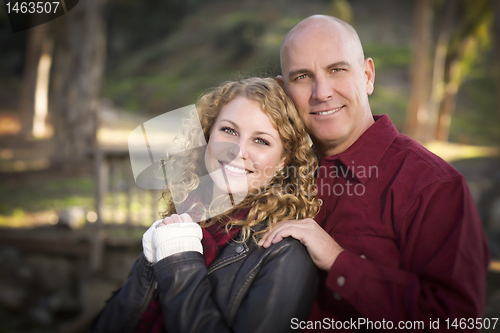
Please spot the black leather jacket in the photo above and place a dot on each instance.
(246, 289)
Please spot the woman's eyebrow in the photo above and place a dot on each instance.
(255, 133)
(231, 122)
(265, 133)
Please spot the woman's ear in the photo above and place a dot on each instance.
(284, 161)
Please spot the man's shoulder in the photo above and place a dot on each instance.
(415, 158)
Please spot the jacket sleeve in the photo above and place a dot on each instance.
(283, 289)
(444, 260)
(123, 310)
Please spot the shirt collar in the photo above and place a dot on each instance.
(367, 151)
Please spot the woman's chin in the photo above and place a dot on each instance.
(233, 190)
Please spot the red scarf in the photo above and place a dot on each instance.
(214, 239)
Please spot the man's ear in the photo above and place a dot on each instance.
(370, 75)
(280, 80)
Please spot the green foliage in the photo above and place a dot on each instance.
(240, 32)
(476, 120)
(386, 100)
(341, 9)
(200, 54)
(136, 24)
(42, 194)
(386, 55)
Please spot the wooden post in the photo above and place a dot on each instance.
(99, 235)
(130, 188)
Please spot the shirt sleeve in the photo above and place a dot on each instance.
(444, 260)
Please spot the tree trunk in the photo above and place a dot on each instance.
(35, 41)
(496, 42)
(438, 86)
(417, 109)
(76, 82)
(448, 103)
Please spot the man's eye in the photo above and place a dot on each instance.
(337, 70)
(228, 130)
(300, 77)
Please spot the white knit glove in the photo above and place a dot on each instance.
(147, 242)
(176, 238)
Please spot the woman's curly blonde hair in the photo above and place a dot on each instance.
(291, 194)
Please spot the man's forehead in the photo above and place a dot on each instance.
(305, 45)
(319, 38)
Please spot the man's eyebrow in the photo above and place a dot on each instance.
(297, 72)
(338, 64)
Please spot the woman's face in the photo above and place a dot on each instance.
(244, 149)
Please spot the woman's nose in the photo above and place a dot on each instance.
(234, 151)
(239, 150)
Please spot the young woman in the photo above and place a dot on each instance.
(216, 278)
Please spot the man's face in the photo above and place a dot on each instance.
(326, 77)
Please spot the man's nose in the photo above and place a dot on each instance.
(322, 89)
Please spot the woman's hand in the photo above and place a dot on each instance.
(174, 218)
(181, 235)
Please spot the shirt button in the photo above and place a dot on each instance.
(239, 248)
(320, 202)
(363, 256)
(341, 281)
(337, 296)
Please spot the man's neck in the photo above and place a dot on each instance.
(339, 146)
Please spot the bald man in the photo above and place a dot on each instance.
(398, 237)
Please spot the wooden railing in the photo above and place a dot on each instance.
(119, 201)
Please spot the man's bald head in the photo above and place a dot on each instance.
(325, 74)
(321, 24)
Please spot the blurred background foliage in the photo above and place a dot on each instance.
(162, 55)
(119, 63)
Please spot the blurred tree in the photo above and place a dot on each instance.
(462, 32)
(417, 109)
(76, 82)
(445, 28)
(341, 9)
(496, 39)
(465, 45)
(37, 37)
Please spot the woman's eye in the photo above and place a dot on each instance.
(262, 141)
(228, 130)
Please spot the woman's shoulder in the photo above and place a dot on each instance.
(287, 249)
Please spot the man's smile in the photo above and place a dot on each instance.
(327, 112)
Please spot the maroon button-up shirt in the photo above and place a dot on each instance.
(415, 248)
